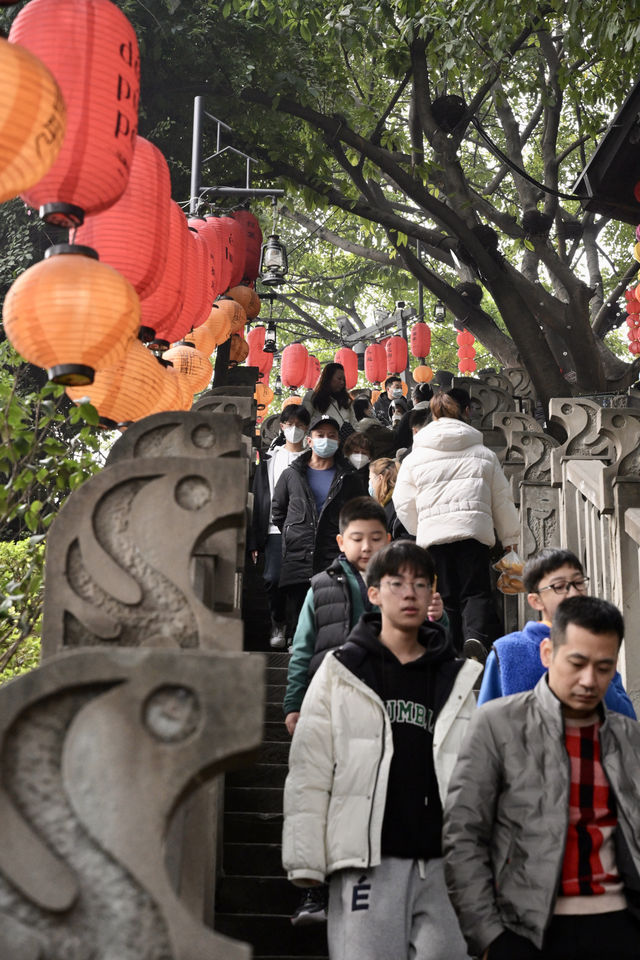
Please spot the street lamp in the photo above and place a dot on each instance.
(439, 312)
(270, 344)
(273, 262)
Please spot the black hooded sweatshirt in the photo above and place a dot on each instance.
(413, 694)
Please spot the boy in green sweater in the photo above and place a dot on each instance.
(337, 598)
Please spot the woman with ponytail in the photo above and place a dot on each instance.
(451, 493)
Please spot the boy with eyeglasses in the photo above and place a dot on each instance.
(377, 739)
(514, 663)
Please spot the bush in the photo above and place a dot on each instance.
(21, 589)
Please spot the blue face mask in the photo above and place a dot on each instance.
(325, 447)
(370, 489)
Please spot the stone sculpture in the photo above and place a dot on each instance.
(96, 748)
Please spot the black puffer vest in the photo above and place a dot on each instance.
(332, 605)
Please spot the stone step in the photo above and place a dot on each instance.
(273, 713)
(274, 692)
(252, 827)
(275, 751)
(275, 937)
(275, 674)
(276, 731)
(253, 800)
(278, 658)
(269, 896)
(252, 860)
(259, 775)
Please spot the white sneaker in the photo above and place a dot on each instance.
(277, 640)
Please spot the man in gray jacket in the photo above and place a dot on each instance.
(542, 820)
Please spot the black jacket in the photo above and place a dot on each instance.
(308, 540)
(381, 408)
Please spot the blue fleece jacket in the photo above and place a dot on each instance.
(514, 666)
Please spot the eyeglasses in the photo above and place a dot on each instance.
(398, 586)
(563, 587)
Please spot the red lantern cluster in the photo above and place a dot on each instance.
(466, 352)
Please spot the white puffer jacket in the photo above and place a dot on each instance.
(335, 793)
(451, 487)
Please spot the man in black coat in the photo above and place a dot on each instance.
(306, 504)
(392, 391)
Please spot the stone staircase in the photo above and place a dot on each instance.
(254, 900)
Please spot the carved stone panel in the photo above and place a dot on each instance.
(175, 434)
(578, 417)
(491, 399)
(120, 556)
(96, 748)
(244, 407)
(539, 518)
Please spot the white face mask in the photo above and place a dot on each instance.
(293, 434)
(358, 459)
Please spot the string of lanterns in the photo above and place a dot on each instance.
(135, 271)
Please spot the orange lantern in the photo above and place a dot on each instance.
(185, 393)
(313, 371)
(235, 313)
(248, 300)
(33, 120)
(131, 235)
(263, 395)
(295, 399)
(375, 363)
(375, 395)
(294, 365)
(348, 359)
(420, 340)
(253, 243)
(71, 314)
(423, 374)
(202, 338)
(92, 51)
(218, 323)
(172, 395)
(160, 309)
(397, 354)
(125, 391)
(192, 364)
(239, 350)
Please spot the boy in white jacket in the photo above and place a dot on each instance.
(372, 753)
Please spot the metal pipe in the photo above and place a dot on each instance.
(243, 191)
(196, 155)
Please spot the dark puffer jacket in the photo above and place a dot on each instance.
(308, 539)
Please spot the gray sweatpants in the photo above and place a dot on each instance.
(398, 910)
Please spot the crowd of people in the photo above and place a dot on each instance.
(453, 793)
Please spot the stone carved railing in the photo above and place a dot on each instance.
(147, 554)
(583, 493)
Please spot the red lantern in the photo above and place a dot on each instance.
(257, 357)
(466, 365)
(224, 263)
(397, 354)
(238, 249)
(208, 232)
(313, 371)
(466, 353)
(375, 363)
(349, 361)
(294, 365)
(420, 340)
(465, 339)
(632, 306)
(91, 49)
(196, 307)
(131, 235)
(634, 346)
(161, 309)
(253, 242)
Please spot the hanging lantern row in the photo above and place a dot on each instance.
(466, 352)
